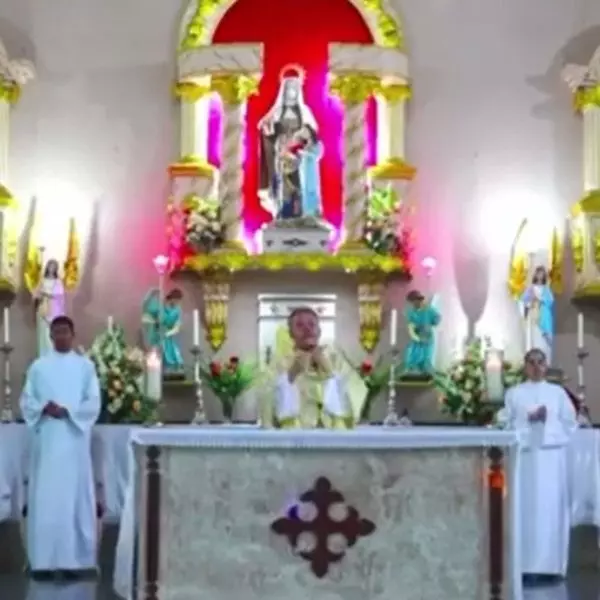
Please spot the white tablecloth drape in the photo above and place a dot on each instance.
(110, 447)
(111, 463)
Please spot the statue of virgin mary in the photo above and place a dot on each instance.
(290, 151)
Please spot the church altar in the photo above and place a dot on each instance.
(360, 514)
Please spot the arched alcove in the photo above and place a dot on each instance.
(298, 33)
(353, 75)
(346, 99)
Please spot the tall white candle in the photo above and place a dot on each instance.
(6, 324)
(393, 327)
(580, 330)
(494, 380)
(153, 376)
(110, 323)
(196, 327)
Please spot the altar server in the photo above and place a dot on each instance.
(309, 385)
(60, 404)
(544, 416)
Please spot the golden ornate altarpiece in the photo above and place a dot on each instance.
(584, 82)
(14, 74)
(233, 71)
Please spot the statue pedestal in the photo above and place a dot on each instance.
(295, 235)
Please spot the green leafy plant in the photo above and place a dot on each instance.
(120, 371)
(205, 230)
(386, 231)
(229, 380)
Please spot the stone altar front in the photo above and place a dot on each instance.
(246, 514)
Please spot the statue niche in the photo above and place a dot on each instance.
(289, 155)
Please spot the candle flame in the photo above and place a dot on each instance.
(153, 360)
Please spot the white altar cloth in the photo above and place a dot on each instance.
(368, 438)
(111, 462)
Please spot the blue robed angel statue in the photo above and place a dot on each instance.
(422, 318)
(537, 306)
(161, 327)
(290, 152)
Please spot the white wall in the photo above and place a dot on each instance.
(490, 130)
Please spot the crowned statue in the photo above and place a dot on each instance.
(290, 152)
(49, 300)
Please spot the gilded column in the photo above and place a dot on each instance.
(234, 91)
(587, 101)
(391, 111)
(354, 90)
(9, 94)
(391, 172)
(194, 98)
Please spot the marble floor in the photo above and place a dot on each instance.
(580, 587)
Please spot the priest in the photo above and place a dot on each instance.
(309, 385)
(544, 415)
(60, 404)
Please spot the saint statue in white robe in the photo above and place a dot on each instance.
(290, 153)
(49, 304)
(61, 506)
(544, 521)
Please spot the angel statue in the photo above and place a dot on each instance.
(18, 71)
(537, 305)
(49, 303)
(422, 318)
(290, 152)
(579, 76)
(161, 323)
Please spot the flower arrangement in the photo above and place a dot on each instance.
(463, 385)
(204, 229)
(376, 376)
(228, 381)
(385, 230)
(120, 370)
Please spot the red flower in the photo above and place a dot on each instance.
(215, 369)
(366, 368)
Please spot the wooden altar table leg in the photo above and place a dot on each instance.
(151, 551)
(496, 522)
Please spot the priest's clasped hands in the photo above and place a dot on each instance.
(55, 410)
(538, 415)
(303, 361)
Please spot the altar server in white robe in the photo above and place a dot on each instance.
(543, 414)
(60, 404)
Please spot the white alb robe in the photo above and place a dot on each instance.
(545, 521)
(61, 510)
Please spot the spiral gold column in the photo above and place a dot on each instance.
(353, 91)
(234, 91)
